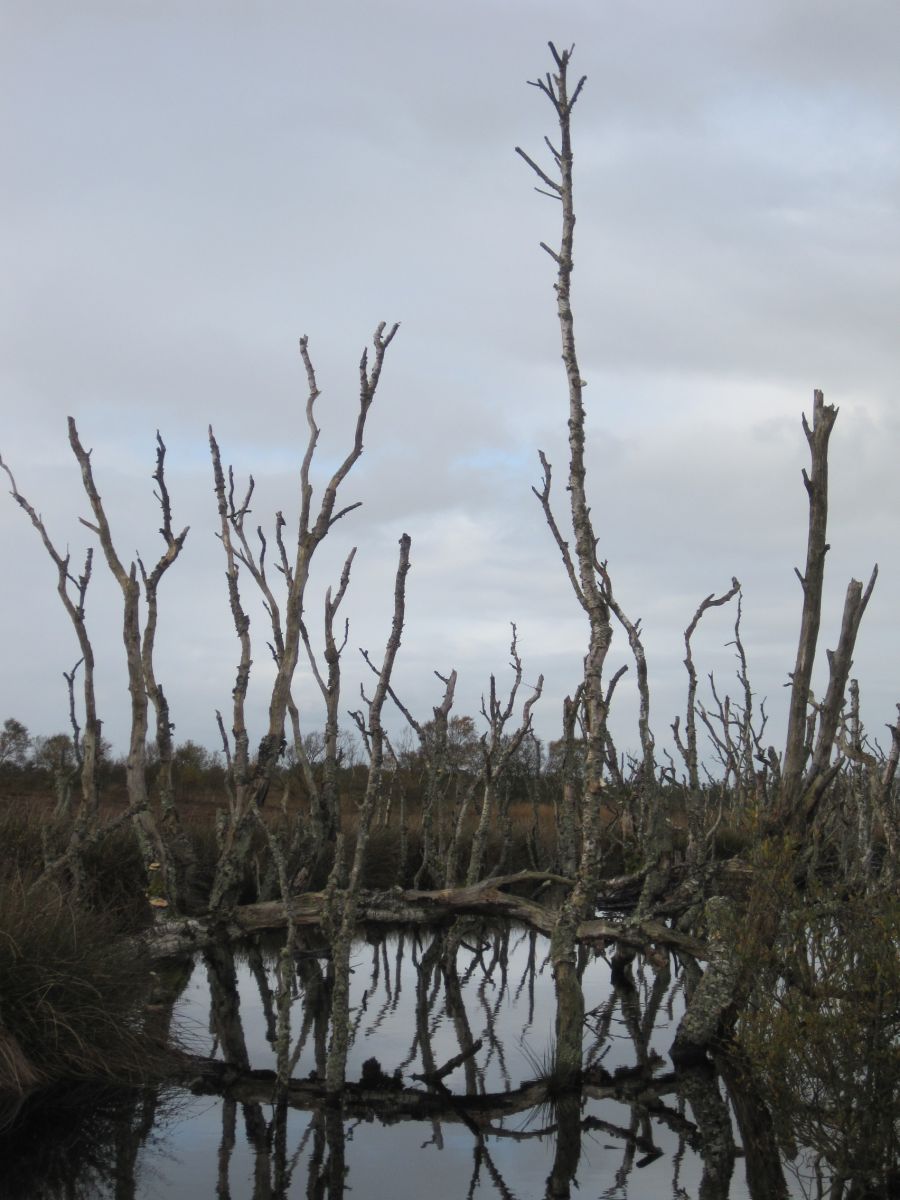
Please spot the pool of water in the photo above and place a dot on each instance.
(636, 1130)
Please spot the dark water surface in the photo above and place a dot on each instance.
(636, 1130)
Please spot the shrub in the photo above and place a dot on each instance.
(823, 1030)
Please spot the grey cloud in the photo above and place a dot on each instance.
(192, 187)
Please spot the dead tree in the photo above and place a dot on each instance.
(580, 568)
(434, 745)
(238, 757)
(252, 779)
(498, 752)
(633, 632)
(180, 856)
(696, 802)
(807, 769)
(310, 535)
(325, 809)
(875, 798)
(142, 683)
(821, 770)
(568, 813)
(74, 606)
(736, 735)
(812, 581)
(139, 659)
(325, 798)
(688, 748)
(66, 778)
(371, 726)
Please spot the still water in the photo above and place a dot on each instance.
(486, 997)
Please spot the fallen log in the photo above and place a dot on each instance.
(422, 908)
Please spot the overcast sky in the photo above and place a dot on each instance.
(189, 187)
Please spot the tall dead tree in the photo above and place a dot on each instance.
(812, 582)
(807, 769)
(325, 809)
(180, 856)
(373, 732)
(253, 778)
(580, 568)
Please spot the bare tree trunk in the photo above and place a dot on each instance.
(633, 630)
(340, 1009)
(689, 751)
(237, 830)
(310, 536)
(816, 482)
(497, 756)
(887, 805)
(131, 635)
(877, 780)
(569, 812)
(582, 569)
(434, 747)
(711, 1009)
(181, 862)
(840, 662)
(63, 805)
(75, 610)
(253, 780)
(161, 882)
(326, 800)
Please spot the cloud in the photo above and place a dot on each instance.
(192, 188)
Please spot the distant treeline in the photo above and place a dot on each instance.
(37, 763)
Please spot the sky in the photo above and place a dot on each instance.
(190, 187)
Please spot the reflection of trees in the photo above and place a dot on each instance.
(81, 1142)
(458, 985)
(462, 982)
(73, 1145)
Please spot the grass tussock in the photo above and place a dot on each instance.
(71, 1004)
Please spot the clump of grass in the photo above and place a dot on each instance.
(382, 861)
(547, 1069)
(26, 830)
(32, 836)
(71, 1002)
(116, 879)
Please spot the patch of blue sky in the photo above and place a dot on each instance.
(833, 129)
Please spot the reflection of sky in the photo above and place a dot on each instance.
(405, 1159)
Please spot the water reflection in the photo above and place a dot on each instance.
(458, 1087)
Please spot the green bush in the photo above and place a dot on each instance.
(823, 1030)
